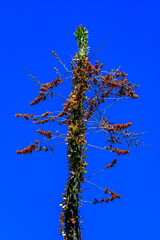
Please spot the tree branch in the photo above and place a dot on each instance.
(94, 185)
(96, 173)
(98, 49)
(96, 146)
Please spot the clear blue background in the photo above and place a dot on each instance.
(31, 185)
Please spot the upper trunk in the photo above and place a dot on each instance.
(76, 141)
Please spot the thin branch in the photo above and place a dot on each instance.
(86, 188)
(57, 71)
(38, 82)
(58, 136)
(115, 98)
(91, 124)
(92, 128)
(98, 48)
(104, 71)
(40, 116)
(94, 185)
(138, 141)
(57, 144)
(66, 73)
(117, 70)
(53, 52)
(96, 146)
(86, 201)
(73, 61)
(89, 121)
(33, 78)
(60, 96)
(93, 132)
(94, 119)
(108, 106)
(96, 173)
(66, 78)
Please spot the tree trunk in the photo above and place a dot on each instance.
(76, 141)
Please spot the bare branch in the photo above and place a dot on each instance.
(94, 119)
(33, 78)
(96, 146)
(53, 52)
(92, 128)
(86, 188)
(60, 96)
(58, 136)
(93, 132)
(108, 106)
(98, 49)
(57, 144)
(96, 173)
(86, 201)
(94, 185)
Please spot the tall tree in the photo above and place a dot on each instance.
(82, 113)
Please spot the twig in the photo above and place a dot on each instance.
(86, 188)
(86, 201)
(91, 124)
(94, 119)
(94, 185)
(57, 144)
(93, 132)
(66, 73)
(32, 77)
(108, 106)
(58, 136)
(93, 128)
(98, 48)
(60, 96)
(96, 146)
(57, 71)
(96, 173)
(53, 52)
(138, 141)
(66, 78)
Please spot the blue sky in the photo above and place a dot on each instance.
(31, 185)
